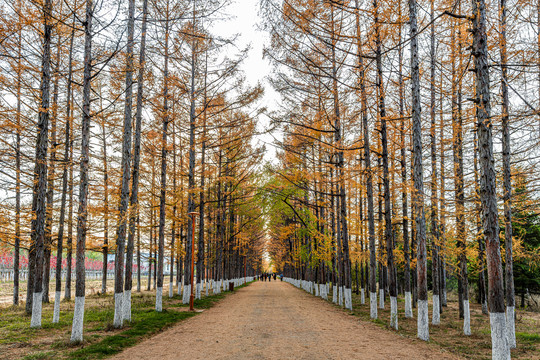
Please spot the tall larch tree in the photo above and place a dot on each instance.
(82, 217)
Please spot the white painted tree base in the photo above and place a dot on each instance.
(340, 296)
(126, 306)
(499, 341)
(362, 296)
(56, 312)
(186, 294)
(393, 312)
(511, 326)
(466, 318)
(485, 308)
(37, 298)
(334, 294)
(171, 290)
(381, 298)
(436, 318)
(444, 298)
(159, 299)
(118, 321)
(408, 305)
(322, 291)
(348, 298)
(78, 320)
(198, 291)
(316, 288)
(373, 305)
(423, 320)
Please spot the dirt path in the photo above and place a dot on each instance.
(277, 321)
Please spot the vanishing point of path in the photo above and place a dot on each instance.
(278, 321)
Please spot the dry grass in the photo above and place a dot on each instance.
(449, 334)
(18, 341)
(93, 287)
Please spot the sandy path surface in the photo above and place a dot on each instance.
(277, 321)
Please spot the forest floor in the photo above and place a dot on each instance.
(263, 321)
(274, 320)
(449, 334)
(101, 340)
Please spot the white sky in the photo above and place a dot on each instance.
(244, 20)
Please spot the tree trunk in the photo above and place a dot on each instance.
(219, 220)
(191, 171)
(105, 247)
(442, 227)
(163, 183)
(150, 247)
(175, 207)
(488, 194)
(372, 283)
(50, 183)
(510, 296)
(16, 255)
(134, 197)
(388, 234)
(138, 252)
(119, 307)
(200, 253)
(463, 286)
(482, 296)
(66, 164)
(418, 177)
(69, 242)
(78, 316)
(404, 199)
(380, 233)
(436, 319)
(40, 172)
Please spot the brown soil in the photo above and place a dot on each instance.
(277, 321)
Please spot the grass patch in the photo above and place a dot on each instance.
(42, 355)
(144, 324)
(529, 338)
(101, 340)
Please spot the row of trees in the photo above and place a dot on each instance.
(116, 149)
(351, 184)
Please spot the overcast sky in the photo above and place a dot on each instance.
(244, 22)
